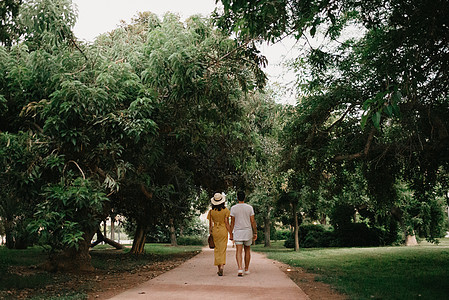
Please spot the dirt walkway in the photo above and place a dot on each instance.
(197, 279)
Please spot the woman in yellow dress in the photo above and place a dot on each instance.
(219, 227)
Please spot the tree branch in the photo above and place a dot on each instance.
(229, 53)
(77, 47)
(341, 118)
(144, 190)
(79, 168)
(361, 153)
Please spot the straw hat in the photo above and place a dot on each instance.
(218, 199)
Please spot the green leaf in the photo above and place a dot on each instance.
(395, 109)
(376, 119)
(367, 104)
(389, 110)
(364, 120)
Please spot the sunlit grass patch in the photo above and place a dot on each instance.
(380, 273)
(164, 249)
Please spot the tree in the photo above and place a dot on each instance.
(262, 167)
(198, 77)
(377, 100)
(22, 170)
(81, 110)
(9, 9)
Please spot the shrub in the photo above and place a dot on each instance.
(318, 239)
(349, 235)
(290, 241)
(361, 235)
(311, 236)
(281, 234)
(261, 234)
(356, 234)
(191, 240)
(314, 236)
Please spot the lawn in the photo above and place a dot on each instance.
(20, 277)
(420, 272)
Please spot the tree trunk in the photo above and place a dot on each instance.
(112, 227)
(410, 239)
(139, 240)
(71, 259)
(323, 219)
(267, 229)
(102, 238)
(9, 235)
(295, 226)
(172, 233)
(104, 228)
(14, 238)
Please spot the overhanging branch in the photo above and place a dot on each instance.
(358, 154)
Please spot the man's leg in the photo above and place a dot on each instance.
(238, 255)
(247, 257)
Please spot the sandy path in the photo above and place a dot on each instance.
(197, 279)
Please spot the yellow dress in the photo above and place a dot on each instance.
(220, 234)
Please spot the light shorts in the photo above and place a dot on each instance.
(246, 243)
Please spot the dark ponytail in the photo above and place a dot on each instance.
(219, 206)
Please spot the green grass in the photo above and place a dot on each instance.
(21, 259)
(27, 257)
(166, 249)
(117, 260)
(420, 272)
(18, 271)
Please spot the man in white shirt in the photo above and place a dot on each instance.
(243, 231)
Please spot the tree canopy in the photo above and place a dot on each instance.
(152, 116)
(374, 103)
(139, 122)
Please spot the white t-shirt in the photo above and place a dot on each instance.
(242, 226)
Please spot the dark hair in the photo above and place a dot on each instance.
(241, 196)
(219, 206)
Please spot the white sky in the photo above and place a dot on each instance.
(99, 16)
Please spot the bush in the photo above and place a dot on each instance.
(191, 240)
(349, 235)
(281, 235)
(290, 241)
(315, 236)
(356, 234)
(261, 234)
(318, 239)
(361, 235)
(311, 236)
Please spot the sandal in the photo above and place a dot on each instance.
(220, 272)
(240, 273)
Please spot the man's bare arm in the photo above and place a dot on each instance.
(254, 227)
(232, 227)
